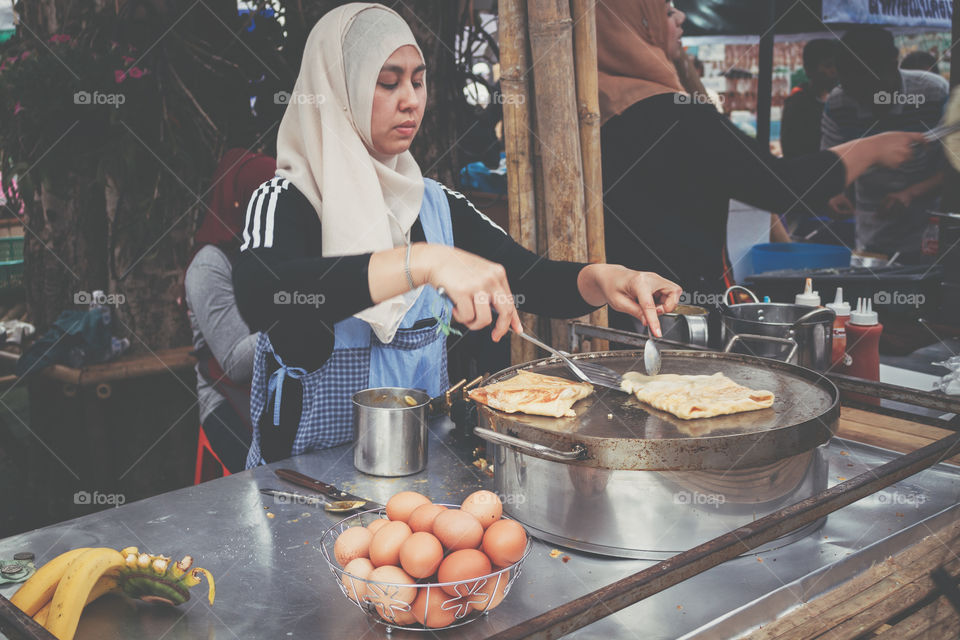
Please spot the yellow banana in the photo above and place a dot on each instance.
(39, 589)
(74, 588)
(105, 585)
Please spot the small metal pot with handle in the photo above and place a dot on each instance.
(793, 333)
(686, 324)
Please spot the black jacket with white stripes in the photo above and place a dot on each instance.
(281, 256)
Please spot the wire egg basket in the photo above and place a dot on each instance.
(392, 605)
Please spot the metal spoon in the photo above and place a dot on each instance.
(651, 357)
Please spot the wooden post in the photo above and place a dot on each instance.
(555, 100)
(515, 91)
(588, 109)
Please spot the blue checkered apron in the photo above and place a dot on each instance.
(415, 358)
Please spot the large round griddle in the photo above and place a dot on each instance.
(614, 430)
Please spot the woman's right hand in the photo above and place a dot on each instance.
(893, 148)
(474, 284)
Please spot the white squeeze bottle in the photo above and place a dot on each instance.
(809, 297)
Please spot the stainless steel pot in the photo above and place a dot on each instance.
(793, 333)
(651, 515)
(390, 431)
(623, 479)
(686, 324)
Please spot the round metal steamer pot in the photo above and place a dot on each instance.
(623, 479)
(768, 330)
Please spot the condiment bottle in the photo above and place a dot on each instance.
(863, 346)
(809, 297)
(839, 348)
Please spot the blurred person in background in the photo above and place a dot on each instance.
(920, 61)
(803, 108)
(223, 342)
(671, 166)
(875, 96)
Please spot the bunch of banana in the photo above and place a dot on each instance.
(59, 590)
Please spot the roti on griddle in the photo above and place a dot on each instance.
(691, 396)
(534, 394)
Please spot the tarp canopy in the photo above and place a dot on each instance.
(750, 17)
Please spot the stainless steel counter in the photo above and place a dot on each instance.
(273, 583)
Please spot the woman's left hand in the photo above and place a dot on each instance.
(642, 294)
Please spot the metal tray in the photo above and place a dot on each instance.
(614, 430)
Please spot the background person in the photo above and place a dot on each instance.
(875, 96)
(223, 342)
(670, 167)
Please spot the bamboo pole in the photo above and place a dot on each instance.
(515, 92)
(588, 109)
(555, 103)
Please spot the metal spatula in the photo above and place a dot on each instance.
(598, 374)
(607, 377)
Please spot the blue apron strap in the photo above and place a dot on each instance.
(275, 385)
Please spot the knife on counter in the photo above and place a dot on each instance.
(330, 492)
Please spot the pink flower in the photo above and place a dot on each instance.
(59, 37)
(127, 60)
(136, 72)
(24, 55)
(17, 108)
(119, 76)
(13, 59)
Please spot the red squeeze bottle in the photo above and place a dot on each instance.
(863, 346)
(842, 309)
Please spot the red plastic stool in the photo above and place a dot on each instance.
(207, 458)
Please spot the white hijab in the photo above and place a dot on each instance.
(366, 201)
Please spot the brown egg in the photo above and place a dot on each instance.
(429, 610)
(423, 516)
(402, 504)
(498, 590)
(458, 530)
(352, 543)
(385, 597)
(462, 566)
(386, 543)
(359, 568)
(485, 506)
(504, 542)
(421, 554)
(376, 524)
(395, 615)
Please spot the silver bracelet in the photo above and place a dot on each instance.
(406, 267)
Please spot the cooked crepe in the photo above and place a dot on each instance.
(533, 393)
(690, 396)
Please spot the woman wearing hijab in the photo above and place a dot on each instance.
(224, 343)
(671, 166)
(346, 249)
